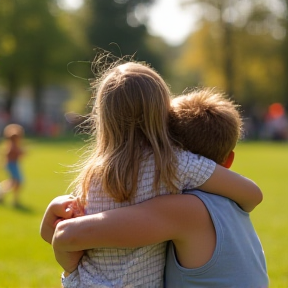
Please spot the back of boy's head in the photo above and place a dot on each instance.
(206, 123)
(132, 98)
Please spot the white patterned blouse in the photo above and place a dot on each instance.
(137, 267)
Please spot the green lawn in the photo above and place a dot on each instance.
(26, 261)
(267, 165)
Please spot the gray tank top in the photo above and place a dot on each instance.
(238, 260)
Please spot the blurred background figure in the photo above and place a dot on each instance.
(13, 134)
(276, 124)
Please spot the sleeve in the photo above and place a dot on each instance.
(71, 281)
(193, 170)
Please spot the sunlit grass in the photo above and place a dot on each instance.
(26, 261)
(267, 165)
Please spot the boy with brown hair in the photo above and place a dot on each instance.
(213, 241)
(206, 123)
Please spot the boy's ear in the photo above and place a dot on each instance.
(228, 162)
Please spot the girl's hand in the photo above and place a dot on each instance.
(68, 260)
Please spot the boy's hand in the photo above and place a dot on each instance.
(60, 208)
(77, 208)
(66, 208)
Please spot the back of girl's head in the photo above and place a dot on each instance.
(130, 116)
(206, 123)
(131, 98)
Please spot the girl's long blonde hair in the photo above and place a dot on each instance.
(129, 116)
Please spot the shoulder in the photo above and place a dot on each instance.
(194, 237)
(186, 212)
(176, 202)
(187, 158)
(180, 153)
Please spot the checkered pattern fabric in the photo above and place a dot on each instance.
(140, 267)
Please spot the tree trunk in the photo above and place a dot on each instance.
(228, 58)
(12, 89)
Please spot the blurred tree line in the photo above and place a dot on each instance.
(239, 46)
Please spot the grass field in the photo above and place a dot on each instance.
(26, 261)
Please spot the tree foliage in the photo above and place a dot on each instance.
(38, 40)
(240, 46)
(254, 66)
(118, 26)
(33, 47)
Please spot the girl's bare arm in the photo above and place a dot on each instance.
(234, 186)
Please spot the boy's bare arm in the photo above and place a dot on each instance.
(156, 220)
(132, 226)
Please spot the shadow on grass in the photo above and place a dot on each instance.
(18, 207)
(22, 208)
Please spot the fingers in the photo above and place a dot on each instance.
(68, 211)
(77, 207)
(57, 221)
(67, 206)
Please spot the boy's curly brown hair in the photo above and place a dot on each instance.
(206, 122)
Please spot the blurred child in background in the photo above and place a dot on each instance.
(13, 134)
